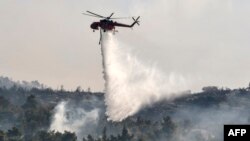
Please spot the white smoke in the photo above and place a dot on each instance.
(130, 85)
(76, 119)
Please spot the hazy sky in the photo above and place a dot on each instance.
(207, 41)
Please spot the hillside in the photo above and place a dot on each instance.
(29, 114)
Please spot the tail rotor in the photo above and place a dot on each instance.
(136, 20)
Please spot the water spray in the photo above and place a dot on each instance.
(131, 85)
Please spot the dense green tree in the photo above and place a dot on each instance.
(168, 127)
(104, 134)
(55, 136)
(125, 135)
(113, 138)
(78, 89)
(4, 103)
(90, 138)
(84, 139)
(14, 134)
(68, 136)
(34, 117)
(30, 103)
(211, 89)
(43, 136)
(140, 139)
(2, 135)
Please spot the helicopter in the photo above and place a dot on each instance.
(107, 24)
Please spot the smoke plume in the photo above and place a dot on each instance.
(131, 85)
(79, 118)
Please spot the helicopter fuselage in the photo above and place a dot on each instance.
(103, 24)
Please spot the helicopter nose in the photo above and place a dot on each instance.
(94, 26)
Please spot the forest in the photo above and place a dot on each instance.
(28, 114)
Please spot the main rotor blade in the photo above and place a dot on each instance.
(110, 16)
(91, 15)
(96, 14)
(121, 18)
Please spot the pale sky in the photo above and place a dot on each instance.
(206, 41)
